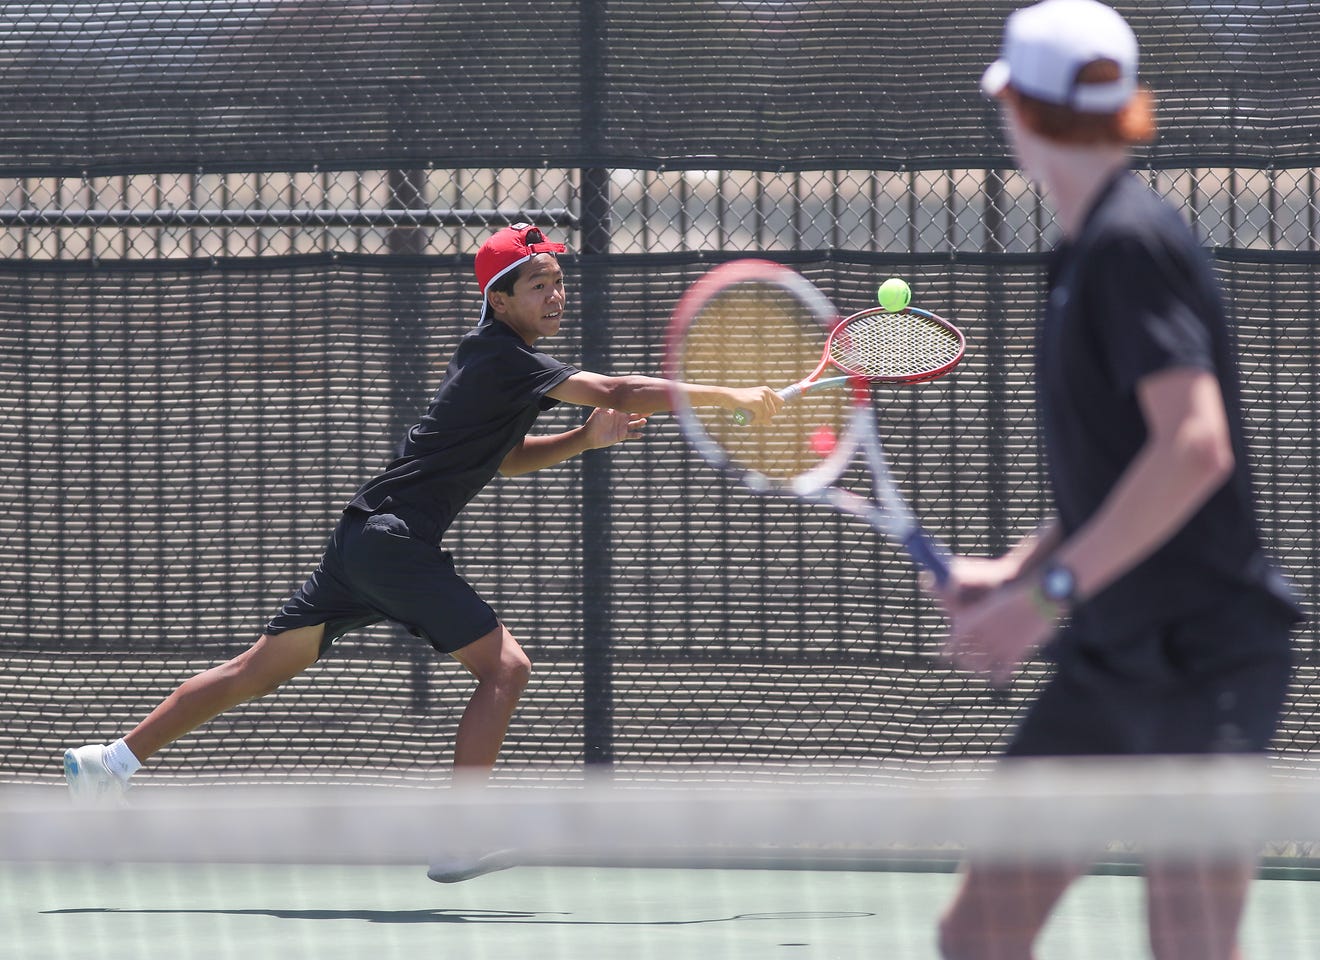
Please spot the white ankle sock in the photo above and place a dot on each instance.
(120, 760)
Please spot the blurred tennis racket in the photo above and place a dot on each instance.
(753, 322)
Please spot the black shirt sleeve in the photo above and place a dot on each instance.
(519, 372)
(1149, 302)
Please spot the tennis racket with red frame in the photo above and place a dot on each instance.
(882, 346)
(752, 322)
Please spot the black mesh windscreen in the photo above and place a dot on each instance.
(113, 86)
(178, 439)
(235, 253)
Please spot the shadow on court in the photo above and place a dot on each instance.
(519, 917)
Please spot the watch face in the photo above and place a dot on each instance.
(1058, 583)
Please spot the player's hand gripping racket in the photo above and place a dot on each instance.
(750, 322)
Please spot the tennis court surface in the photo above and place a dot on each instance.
(172, 911)
(804, 867)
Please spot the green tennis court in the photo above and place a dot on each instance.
(171, 911)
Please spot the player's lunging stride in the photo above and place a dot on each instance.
(386, 557)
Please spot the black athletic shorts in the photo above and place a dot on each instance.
(373, 569)
(1211, 684)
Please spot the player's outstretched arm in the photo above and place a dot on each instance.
(647, 395)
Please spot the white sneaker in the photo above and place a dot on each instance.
(454, 869)
(91, 784)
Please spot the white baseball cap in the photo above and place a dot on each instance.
(1048, 43)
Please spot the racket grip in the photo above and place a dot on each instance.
(929, 555)
(743, 417)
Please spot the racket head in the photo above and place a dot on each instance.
(750, 323)
(901, 346)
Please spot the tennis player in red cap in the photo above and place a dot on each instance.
(386, 559)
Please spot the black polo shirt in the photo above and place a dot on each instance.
(1133, 294)
(491, 394)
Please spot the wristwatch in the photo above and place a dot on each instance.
(1058, 585)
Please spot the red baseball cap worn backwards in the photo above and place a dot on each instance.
(506, 250)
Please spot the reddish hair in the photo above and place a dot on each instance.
(1132, 123)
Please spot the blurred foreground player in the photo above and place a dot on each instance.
(1178, 632)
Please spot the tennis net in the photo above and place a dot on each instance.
(798, 862)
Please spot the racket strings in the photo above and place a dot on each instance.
(749, 334)
(897, 345)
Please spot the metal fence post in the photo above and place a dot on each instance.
(597, 668)
(408, 356)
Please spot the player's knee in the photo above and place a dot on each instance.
(497, 659)
(516, 669)
(952, 944)
(958, 941)
(1192, 939)
(513, 668)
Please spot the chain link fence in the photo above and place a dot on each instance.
(235, 252)
(449, 212)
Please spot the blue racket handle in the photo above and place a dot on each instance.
(929, 555)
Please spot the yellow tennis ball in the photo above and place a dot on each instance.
(894, 294)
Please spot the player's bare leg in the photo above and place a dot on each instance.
(1000, 910)
(98, 774)
(502, 670)
(255, 672)
(1195, 909)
